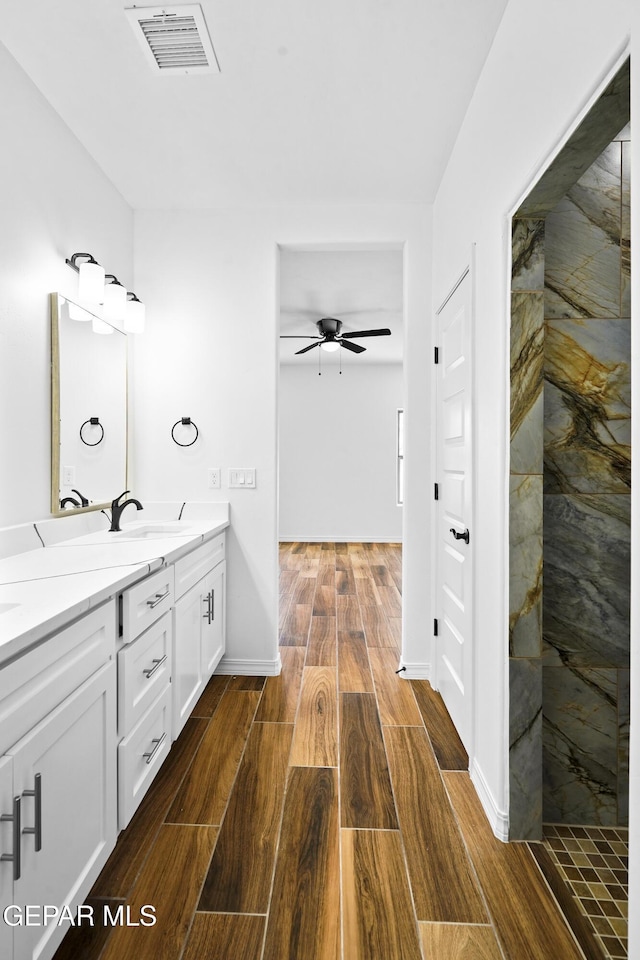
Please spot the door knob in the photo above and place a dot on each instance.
(460, 536)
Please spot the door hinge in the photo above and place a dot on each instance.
(435, 627)
(436, 355)
(436, 492)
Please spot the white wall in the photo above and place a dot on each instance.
(337, 452)
(541, 73)
(211, 352)
(54, 202)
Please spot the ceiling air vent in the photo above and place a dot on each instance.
(174, 39)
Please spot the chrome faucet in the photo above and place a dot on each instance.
(117, 508)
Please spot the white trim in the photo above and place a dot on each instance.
(250, 668)
(415, 671)
(337, 539)
(498, 819)
(453, 289)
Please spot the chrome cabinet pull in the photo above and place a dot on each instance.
(460, 536)
(36, 793)
(14, 818)
(213, 604)
(158, 743)
(157, 663)
(159, 597)
(208, 615)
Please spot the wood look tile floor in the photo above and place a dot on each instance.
(324, 814)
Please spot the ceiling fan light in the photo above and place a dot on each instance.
(330, 346)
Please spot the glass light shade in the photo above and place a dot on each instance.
(78, 313)
(115, 302)
(134, 317)
(330, 346)
(99, 326)
(91, 282)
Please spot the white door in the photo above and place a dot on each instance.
(186, 680)
(454, 560)
(9, 806)
(65, 771)
(213, 629)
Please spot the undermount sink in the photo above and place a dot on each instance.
(159, 529)
(5, 607)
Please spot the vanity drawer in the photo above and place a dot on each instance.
(141, 754)
(193, 567)
(38, 680)
(144, 669)
(144, 603)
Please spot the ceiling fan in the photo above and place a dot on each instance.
(331, 338)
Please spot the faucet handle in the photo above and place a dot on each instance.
(116, 502)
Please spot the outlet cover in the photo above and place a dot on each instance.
(213, 478)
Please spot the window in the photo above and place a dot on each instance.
(400, 457)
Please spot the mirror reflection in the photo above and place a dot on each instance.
(89, 408)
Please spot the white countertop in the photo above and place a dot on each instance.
(43, 589)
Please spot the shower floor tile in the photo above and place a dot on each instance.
(593, 862)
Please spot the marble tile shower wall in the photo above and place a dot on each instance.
(525, 530)
(587, 482)
(570, 485)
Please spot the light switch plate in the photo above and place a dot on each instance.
(240, 477)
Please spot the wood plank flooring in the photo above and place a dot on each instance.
(324, 814)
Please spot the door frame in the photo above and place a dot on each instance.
(468, 270)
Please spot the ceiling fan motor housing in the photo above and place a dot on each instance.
(328, 327)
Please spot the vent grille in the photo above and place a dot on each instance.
(174, 39)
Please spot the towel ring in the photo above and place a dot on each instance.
(94, 422)
(185, 422)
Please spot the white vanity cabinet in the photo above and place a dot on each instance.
(57, 777)
(199, 625)
(144, 688)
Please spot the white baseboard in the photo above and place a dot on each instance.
(498, 819)
(250, 668)
(415, 671)
(338, 539)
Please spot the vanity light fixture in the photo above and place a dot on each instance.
(90, 277)
(99, 326)
(115, 300)
(77, 312)
(134, 314)
(120, 308)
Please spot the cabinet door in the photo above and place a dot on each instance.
(186, 681)
(70, 757)
(213, 626)
(7, 848)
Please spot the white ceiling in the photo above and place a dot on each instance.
(331, 101)
(362, 288)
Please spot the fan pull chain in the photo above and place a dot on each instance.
(319, 363)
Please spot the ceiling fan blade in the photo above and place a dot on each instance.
(383, 332)
(296, 336)
(310, 347)
(354, 347)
